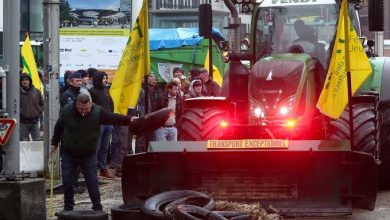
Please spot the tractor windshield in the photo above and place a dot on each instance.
(296, 29)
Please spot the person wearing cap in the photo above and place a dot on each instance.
(74, 89)
(78, 128)
(210, 87)
(66, 82)
(195, 89)
(31, 106)
(179, 73)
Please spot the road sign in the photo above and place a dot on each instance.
(7, 125)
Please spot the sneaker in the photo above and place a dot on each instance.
(105, 174)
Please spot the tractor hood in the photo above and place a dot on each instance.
(277, 79)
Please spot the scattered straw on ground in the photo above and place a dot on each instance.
(257, 212)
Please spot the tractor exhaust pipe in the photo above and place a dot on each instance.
(234, 26)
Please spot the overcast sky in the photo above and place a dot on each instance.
(94, 4)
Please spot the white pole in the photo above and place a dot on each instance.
(135, 9)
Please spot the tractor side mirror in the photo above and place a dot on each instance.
(375, 15)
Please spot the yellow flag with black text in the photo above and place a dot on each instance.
(217, 77)
(133, 66)
(29, 65)
(347, 55)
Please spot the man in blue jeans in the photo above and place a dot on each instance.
(172, 100)
(78, 129)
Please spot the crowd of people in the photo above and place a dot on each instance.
(90, 136)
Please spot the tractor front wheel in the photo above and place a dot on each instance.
(199, 124)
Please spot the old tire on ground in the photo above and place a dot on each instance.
(199, 123)
(364, 124)
(384, 168)
(191, 212)
(82, 214)
(154, 206)
(204, 202)
(123, 213)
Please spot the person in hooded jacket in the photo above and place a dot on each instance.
(31, 106)
(101, 97)
(195, 89)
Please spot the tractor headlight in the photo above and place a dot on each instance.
(286, 107)
(256, 110)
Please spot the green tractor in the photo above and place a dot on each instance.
(265, 140)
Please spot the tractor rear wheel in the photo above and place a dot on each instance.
(199, 123)
(364, 128)
(384, 168)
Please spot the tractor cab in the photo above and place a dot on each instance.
(297, 27)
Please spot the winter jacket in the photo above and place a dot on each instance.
(31, 103)
(99, 93)
(162, 102)
(79, 134)
(211, 88)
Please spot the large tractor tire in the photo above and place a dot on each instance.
(384, 169)
(364, 128)
(197, 124)
(365, 135)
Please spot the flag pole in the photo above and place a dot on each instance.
(348, 70)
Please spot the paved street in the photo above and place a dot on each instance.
(111, 196)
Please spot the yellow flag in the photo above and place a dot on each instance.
(29, 65)
(347, 55)
(217, 77)
(134, 65)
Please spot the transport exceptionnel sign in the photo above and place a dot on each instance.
(247, 144)
(7, 125)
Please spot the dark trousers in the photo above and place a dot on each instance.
(88, 167)
(119, 145)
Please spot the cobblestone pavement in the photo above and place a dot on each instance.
(111, 196)
(110, 190)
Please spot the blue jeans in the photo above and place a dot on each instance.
(166, 134)
(29, 128)
(103, 144)
(119, 145)
(88, 167)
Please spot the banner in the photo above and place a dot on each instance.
(347, 55)
(134, 65)
(29, 65)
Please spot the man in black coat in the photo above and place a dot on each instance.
(78, 128)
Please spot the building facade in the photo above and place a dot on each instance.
(185, 14)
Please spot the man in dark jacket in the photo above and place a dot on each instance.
(74, 89)
(78, 128)
(172, 100)
(210, 88)
(31, 106)
(101, 97)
